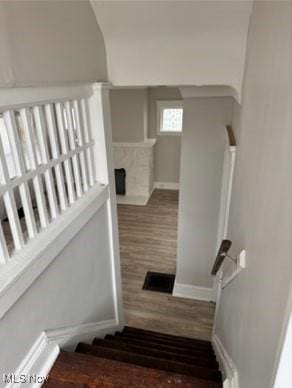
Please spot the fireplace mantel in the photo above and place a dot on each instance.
(142, 144)
(137, 159)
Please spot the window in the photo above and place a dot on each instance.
(169, 117)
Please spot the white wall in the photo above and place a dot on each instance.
(174, 42)
(45, 42)
(75, 289)
(167, 148)
(252, 307)
(202, 154)
(129, 114)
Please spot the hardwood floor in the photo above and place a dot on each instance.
(148, 241)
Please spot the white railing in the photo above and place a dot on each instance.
(46, 165)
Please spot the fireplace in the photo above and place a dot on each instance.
(135, 160)
(120, 178)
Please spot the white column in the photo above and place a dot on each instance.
(101, 131)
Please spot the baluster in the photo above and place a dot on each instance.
(37, 180)
(65, 150)
(12, 131)
(42, 141)
(10, 207)
(56, 155)
(79, 130)
(72, 144)
(87, 139)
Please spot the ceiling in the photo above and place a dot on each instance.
(175, 42)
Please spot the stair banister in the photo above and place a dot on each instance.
(222, 253)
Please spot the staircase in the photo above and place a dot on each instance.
(137, 358)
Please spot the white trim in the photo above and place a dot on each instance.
(226, 364)
(193, 292)
(39, 361)
(85, 332)
(166, 185)
(282, 338)
(208, 91)
(44, 352)
(148, 143)
(18, 274)
(138, 200)
(100, 119)
(14, 98)
(226, 191)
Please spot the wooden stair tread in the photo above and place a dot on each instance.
(52, 383)
(163, 341)
(194, 341)
(151, 362)
(160, 346)
(94, 372)
(210, 363)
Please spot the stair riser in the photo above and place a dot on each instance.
(193, 341)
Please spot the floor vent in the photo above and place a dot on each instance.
(159, 282)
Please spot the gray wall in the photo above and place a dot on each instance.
(203, 145)
(252, 307)
(75, 289)
(46, 42)
(129, 114)
(167, 149)
(134, 115)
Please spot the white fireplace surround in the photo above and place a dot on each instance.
(137, 160)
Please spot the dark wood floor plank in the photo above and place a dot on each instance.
(148, 241)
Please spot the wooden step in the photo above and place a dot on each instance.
(149, 351)
(163, 341)
(194, 341)
(150, 362)
(156, 345)
(52, 383)
(98, 372)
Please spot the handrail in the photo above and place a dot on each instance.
(222, 252)
(231, 136)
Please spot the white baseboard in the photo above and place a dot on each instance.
(69, 336)
(166, 185)
(43, 353)
(138, 200)
(38, 361)
(193, 292)
(227, 366)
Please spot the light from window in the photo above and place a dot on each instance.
(170, 116)
(172, 120)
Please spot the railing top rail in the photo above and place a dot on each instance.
(231, 136)
(16, 98)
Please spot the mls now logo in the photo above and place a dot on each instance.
(12, 378)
